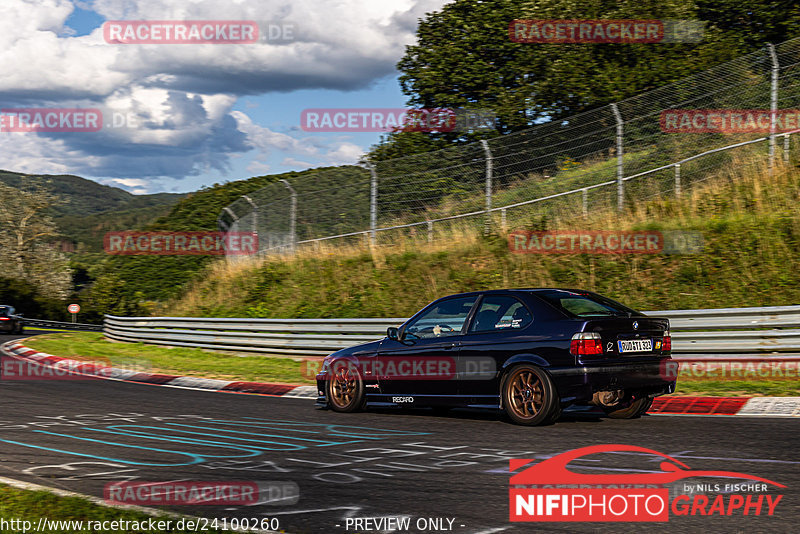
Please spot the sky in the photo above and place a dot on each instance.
(177, 117)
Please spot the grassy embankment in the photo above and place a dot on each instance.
(749, 219)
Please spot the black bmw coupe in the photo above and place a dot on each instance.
(530, 352)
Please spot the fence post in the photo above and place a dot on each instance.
(373, 203)
(221, 223)
(430, 231)
(620, 171)
(292, 214)
(585, 201)
(773, 103)
(234, 221)
(487, 222)
(786, 148)
(255, 213)
(503, 224)
(677, 180)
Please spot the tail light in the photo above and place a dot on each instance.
(586, 344)
(3, 318)
(666, 344)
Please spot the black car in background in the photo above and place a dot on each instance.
(9, 321)
(530, 352)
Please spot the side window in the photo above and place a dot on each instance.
(498, 313)
(443, 319)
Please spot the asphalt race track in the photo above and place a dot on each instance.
(80, 435)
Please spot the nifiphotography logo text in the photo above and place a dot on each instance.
(549, 491)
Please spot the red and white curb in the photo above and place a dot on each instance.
(745, 406)
(94, 371)
(666, 405)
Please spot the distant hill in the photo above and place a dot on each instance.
(92, 209)
(129, 285)
(133, 279)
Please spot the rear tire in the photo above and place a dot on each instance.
(529, 397)
(637, 407)
(345, 388)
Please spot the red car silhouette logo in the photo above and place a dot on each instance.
(554, 470)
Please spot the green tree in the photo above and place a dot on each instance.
(465, 58)
(25, 228)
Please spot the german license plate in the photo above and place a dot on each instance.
(635, 345)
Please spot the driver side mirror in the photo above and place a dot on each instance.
(393, 333)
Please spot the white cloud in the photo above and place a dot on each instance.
(344, 153)
(179, 98)
(136, 186)
(343, 44)
(326, 150)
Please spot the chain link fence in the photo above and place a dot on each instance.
(647, 146)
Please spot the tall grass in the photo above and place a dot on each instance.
(748, 214)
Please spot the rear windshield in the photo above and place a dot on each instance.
(4, 312)
(583, 304)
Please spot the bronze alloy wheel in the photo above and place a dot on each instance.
(528, 395)
(345, 388)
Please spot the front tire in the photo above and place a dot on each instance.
(529, 397)
(345, 388)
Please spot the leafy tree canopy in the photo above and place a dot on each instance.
(465, 58)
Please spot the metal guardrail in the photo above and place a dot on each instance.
(26, 322)
(732, 318)
(708, 333)
(315, 337)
